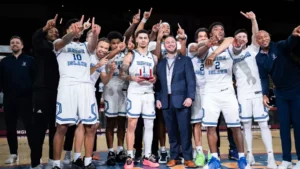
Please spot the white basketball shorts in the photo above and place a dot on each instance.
(253, 107)
(114, 101)
(138, 104)
(215, 103)
(76, 103)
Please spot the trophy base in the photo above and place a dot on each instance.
(146, 78)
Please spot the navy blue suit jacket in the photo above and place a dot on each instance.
(183, 84)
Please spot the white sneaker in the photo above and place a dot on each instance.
(194, 154)
(271, 163)
(67, 160)
(285, 165)
(297, 166)
(250, 159)
(12, 159)
(37, 167)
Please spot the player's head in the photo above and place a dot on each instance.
(166, 28)
(217, 29)
(16, 44)
(88, 35)
(142, 38)
(201, 34)
(241, 36)
(115, 38)
(52, 34)
(68, 27)
(102, 47)
(170, 44)
(263, 38)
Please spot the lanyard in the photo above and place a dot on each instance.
(170, 67)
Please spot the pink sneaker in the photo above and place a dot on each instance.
(151, 162)
(129, 163)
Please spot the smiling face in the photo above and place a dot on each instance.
(170, 44)
(263, 39)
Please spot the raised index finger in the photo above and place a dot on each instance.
(55, 18)
(150, 10)
(82, 18)
(139, 13)
(124, 39)
(179, 26)
(243, 14)
(93, 21)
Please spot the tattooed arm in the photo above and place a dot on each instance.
(124, 71)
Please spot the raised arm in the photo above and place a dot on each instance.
(39, 36)
(250, 15)
(182, 39)
(135, 20)
(92, 43)
(146, 16)
(76, 29)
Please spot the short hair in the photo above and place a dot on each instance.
(200, 30)
(241, 31)
(142, 31)
(70, 22)
(16, 37)
(104, 39)
(114, 35)
(213, 25)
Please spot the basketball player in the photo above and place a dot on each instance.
(115, 102)
(140, 65)
(219, 95)
(250, 90)
(197, 114)
(75, 100)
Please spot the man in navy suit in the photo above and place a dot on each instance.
(175, 91)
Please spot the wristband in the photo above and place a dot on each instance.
(144, 20)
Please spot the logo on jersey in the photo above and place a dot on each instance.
(241, 58)
(77, 56)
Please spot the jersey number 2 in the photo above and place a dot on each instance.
(217, 65)
(77, 56)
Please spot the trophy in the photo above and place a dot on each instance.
(145, 76)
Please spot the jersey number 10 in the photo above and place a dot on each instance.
(77, 56)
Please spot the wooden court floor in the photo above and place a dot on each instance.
(24, 158)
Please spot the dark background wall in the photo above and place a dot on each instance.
(278, 17)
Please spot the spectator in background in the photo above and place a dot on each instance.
(16, 79)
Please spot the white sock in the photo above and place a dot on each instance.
(87, 161)
(120, 148)
(248, 135)
(241, 155)
(266, 136)
(130, 153)
(76, 156)
(215, 155)
(111, 149)
(148, 136)
(199, 149)
(56, 163)
(163, 149)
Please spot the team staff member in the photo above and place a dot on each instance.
(44, 89)
(16, 78)
(278, 60)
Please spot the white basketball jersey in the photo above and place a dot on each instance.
(218, 77)
(74, 64)
(198, 65)
(95, 76)
(116, 80)
(246, 71)
(141, 66)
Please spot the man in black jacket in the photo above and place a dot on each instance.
(44, 89)
(16, 78)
